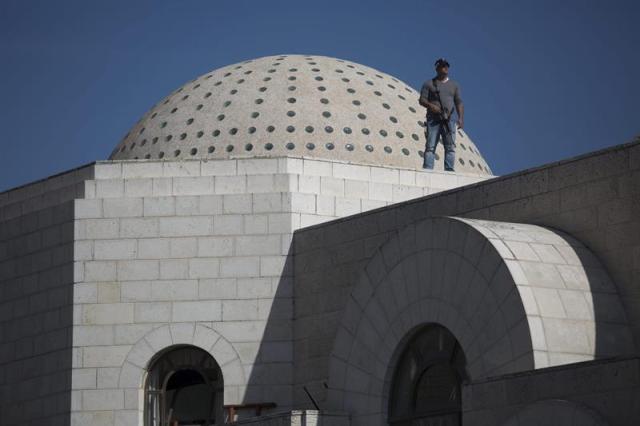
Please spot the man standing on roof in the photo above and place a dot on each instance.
(440, 95)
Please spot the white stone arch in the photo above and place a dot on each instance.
(134, 369)
(556, 412)
(484, 281)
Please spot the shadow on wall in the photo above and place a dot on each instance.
(271, 376)
(573, 307)
(37, 317)
(546, 300)
(613, 335)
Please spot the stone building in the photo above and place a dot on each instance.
(264, 242)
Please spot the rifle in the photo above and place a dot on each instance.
(444, 120)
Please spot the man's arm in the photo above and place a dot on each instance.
(457, 99)
(460, 109)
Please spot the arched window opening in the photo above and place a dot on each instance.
(426, 383)
(184, 387)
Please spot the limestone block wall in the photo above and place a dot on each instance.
(204, 246)
(103, 266)
(36, 311)
(43, 193)
(594, 198)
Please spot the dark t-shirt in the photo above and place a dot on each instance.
(449, 94)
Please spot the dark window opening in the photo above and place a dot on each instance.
(184, 387)
(427, 380)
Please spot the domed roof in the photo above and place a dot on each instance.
(292, 105)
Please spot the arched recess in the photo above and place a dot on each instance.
(138, 360)
(184, 384)
(426, 386)
(516, 297)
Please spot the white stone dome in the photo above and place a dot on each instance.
(292, 105)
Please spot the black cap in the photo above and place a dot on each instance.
(441, 62)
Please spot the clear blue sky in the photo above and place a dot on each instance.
(542, 80)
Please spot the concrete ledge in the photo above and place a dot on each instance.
(604, 387)
(298, 418)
